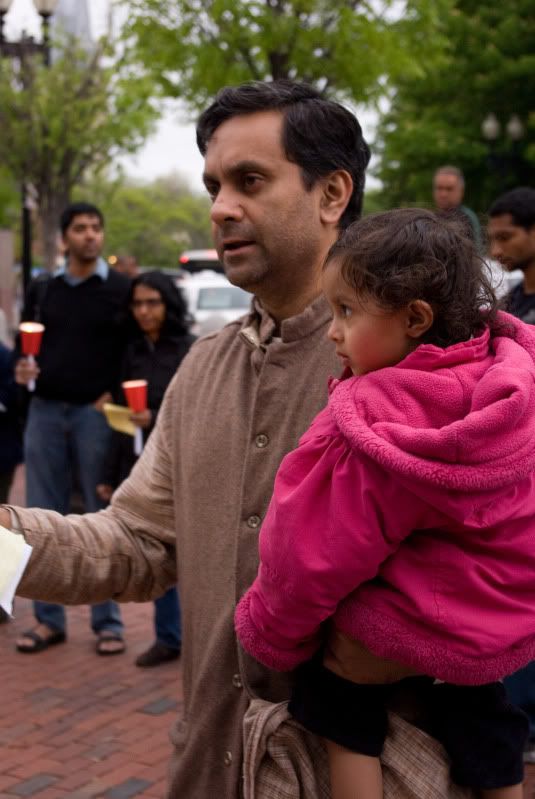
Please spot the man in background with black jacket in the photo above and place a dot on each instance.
(82, 306)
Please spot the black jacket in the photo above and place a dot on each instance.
(85, 335)
(156, 363)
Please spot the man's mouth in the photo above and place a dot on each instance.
(233, 245)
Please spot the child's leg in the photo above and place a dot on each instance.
(355, 776)
(352, 719)
(484, 736)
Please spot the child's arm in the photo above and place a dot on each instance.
(334, 519)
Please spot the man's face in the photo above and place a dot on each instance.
(447, 191)
(512, 245)
(266, 226)
(84, 238)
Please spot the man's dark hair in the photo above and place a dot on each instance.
(318, 135)
(520, 203)
(409, 254)
(76, 209)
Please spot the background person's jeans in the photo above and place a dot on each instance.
(167, 620)
(520, 688)
(61, 439)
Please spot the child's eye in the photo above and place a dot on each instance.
(345, 311)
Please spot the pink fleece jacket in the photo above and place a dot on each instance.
(407, 513)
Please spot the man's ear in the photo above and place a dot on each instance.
(336, 193)
(419, 318)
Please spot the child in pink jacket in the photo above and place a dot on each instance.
(407, 513)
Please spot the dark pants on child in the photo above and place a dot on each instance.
(483, 734)
(520, 688)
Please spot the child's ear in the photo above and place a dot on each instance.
(420, 317)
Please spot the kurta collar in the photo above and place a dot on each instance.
(259, 328)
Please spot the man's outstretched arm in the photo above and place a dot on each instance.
(126, 552)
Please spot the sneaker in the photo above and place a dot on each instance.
(158, 653)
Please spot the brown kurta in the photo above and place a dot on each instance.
(239, 402)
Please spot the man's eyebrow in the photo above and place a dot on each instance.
(238, 168)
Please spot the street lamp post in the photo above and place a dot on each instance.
(504, 163)
(26, 46)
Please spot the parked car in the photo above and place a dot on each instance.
(194, 261)
(213, 301)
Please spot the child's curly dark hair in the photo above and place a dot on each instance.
(409, 254)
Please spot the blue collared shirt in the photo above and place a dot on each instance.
(101, 270)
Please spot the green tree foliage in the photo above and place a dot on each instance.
(9, 200)
(348, 49)
(487, 65)
(59, 122)
(154, 221)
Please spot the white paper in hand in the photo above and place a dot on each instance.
(14, 556)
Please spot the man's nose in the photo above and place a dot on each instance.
(226, 207)
(495, 250)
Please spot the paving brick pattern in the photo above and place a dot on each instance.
(74, 725)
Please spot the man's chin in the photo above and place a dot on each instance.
(244, 276)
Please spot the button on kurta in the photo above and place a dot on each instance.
(254, 521)
(227, 760)
(261, 441)
(236, 681)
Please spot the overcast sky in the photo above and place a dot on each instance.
(172, 148)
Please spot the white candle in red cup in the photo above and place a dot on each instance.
(135, 392)
(31, 334)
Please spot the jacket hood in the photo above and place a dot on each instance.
(460, 419)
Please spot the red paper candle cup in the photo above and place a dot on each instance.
(31, 334)
(135, 392)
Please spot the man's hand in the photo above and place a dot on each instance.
(351, 660)
(142, 419)
(5, 518)
(25, 371)
(98, 405)
(104, 492)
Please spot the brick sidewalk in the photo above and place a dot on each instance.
(77, 726)
(74, 725)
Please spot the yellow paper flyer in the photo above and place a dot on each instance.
(118, 418)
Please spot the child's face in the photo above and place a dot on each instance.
(366, 336)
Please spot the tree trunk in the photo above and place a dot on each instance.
(50, 209)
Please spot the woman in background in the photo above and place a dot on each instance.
(159, 343)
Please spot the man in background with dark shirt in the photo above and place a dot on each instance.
(511, 231)
(82, 306)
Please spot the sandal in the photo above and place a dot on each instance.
(104, 637)
(40, 643)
